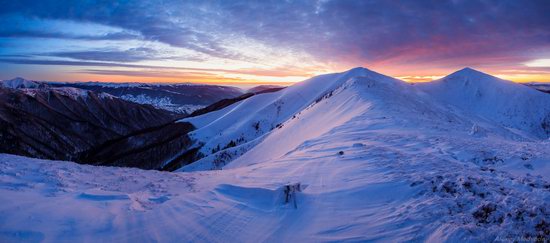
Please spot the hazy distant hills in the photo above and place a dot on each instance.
(179, 98)
(544, 87)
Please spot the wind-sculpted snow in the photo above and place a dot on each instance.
(378, 159)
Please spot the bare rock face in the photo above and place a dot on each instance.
(61, 123)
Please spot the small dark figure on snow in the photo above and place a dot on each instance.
(290, 193)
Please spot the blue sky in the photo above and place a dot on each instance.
(270, 41)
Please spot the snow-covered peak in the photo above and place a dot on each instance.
(367, 74)
(328, 82)
(20, 83)
(510, 104)
(359, 72)
(468, 79)
(468, 76)
(19, 79)
(468, 71)
(470, 84)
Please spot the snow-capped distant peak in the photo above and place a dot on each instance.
(20, 83)
(369, 74)
(359, 70)
(470, 74)
(507, 103)
(468, 70)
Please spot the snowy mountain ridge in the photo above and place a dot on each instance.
(510, 104)
(239, 125)
(353, 156)
(519, 112)
(21, 83)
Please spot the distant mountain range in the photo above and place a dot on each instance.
(544, 87)
(179, 98)
(263, 88)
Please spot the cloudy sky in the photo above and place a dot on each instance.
(236, 41)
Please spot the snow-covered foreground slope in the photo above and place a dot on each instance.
(377, 160)
(393, 186)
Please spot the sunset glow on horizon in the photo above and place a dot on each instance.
(279, 42)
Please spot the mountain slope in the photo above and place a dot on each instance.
(226, 134)
(512, 105)
(355, 156)
(61, 123)
(166, 147)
